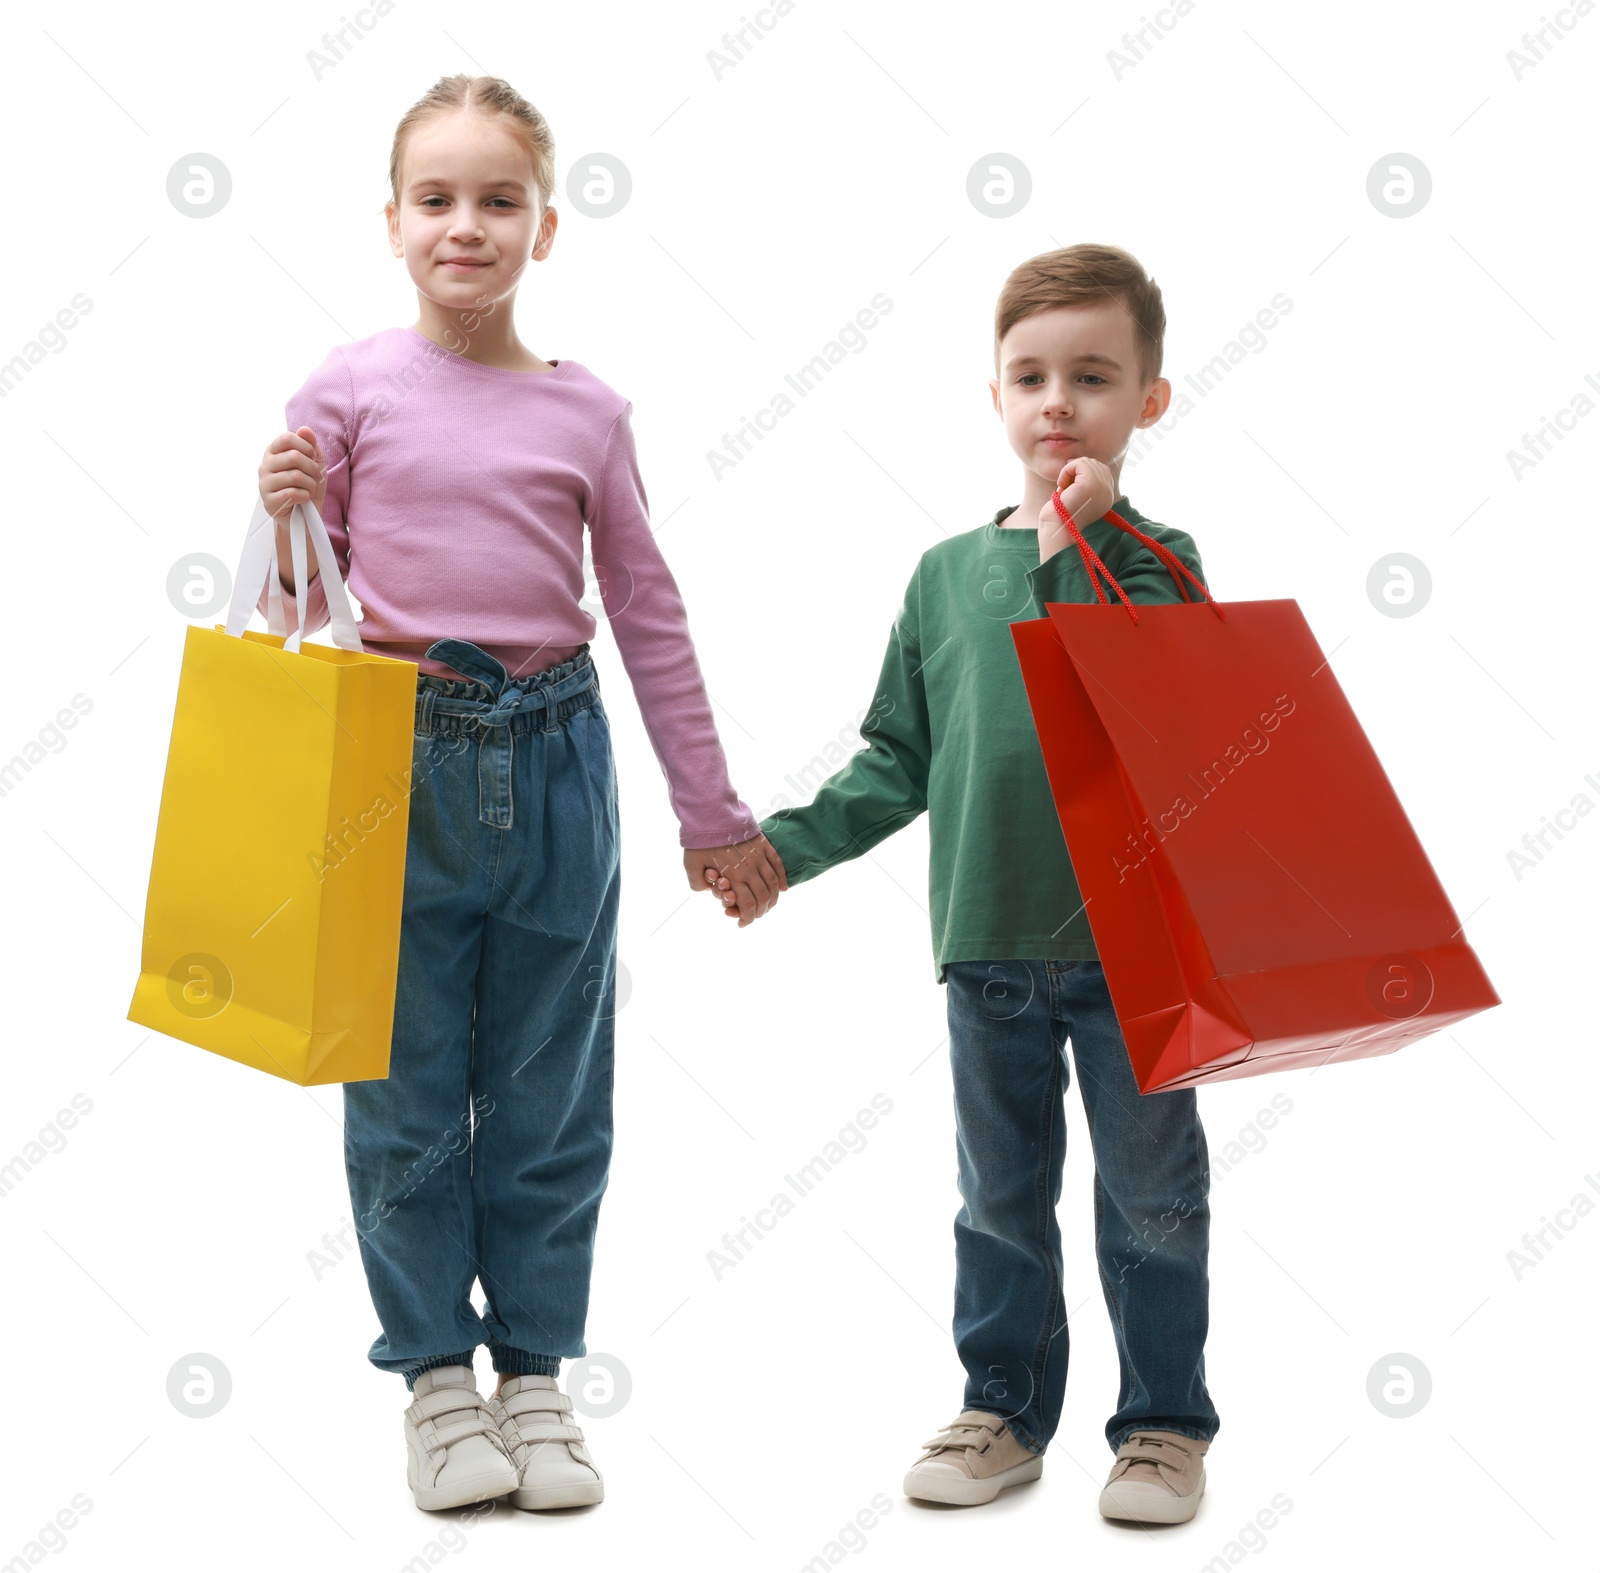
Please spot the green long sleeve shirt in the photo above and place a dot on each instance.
(950, 731)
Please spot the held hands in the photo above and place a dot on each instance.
(747, 875)
(1088, 490)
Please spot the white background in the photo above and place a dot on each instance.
(768, 207)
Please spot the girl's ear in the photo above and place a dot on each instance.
(547, 234)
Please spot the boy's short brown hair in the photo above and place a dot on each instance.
(1080, 276)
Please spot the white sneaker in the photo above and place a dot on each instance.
(454, 1451)
(535, 1424)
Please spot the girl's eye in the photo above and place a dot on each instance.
(429, 201)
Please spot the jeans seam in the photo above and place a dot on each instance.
(1053, 1300)
(1125, 1392)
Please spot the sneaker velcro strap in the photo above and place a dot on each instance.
(442, 1400)
(957, 1445)
(1171, 1461)
(447, 1433)
(534, 1400)
(1150, 1447)
(449, 1414)
(547, 1431)
(978, 1433)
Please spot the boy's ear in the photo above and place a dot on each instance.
(1157, 397)
(994, 393)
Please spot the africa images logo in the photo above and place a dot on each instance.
(1255, 741)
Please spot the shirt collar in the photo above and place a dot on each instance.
(1028, 540)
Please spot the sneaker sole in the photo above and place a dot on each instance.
(576, 1493)
(1147, 1509)
(958, 1491)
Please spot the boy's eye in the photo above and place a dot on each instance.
(1028, 376)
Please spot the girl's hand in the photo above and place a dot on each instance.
(293, 471)
(1088, 490)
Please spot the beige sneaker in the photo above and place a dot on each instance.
(454, 1453)
(535, 1419)
(972, 1460)
(1157, 1479)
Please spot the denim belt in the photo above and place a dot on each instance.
(550, 697)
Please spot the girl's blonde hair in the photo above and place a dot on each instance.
(489, 95)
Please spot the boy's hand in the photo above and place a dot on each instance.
(747, 875)
(1088, 490)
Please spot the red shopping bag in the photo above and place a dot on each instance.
(1258, 897)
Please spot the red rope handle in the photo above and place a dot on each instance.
(1168, 558)
(1091, 558)
(1174, 564)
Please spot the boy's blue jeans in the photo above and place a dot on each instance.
(1009, 1022)
(485, 1152)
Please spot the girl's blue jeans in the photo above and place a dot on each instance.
(485, 1152)
(1009, 1023)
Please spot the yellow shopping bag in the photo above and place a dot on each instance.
(272, 925)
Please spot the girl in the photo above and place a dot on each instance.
(455, 471)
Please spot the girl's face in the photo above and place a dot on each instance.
(470, 217)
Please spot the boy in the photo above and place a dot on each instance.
(1078, 341)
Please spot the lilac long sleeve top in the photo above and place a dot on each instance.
(456, 503)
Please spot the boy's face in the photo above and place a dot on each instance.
(1070, 387)
(467, 191)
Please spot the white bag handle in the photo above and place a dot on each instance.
(260, 558)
